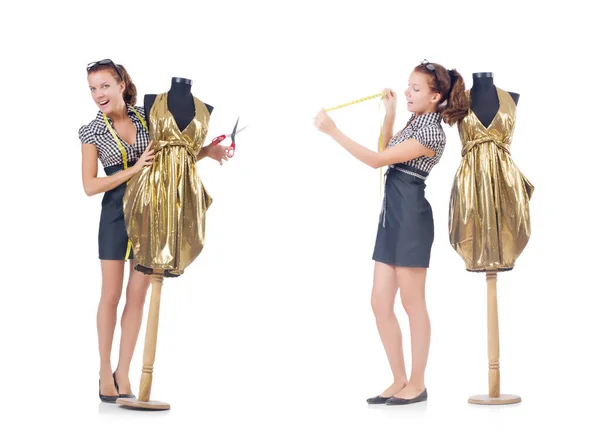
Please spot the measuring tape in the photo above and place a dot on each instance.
(124, 154)
(380, 141)
(347, 104)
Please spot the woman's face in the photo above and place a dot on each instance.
(420, 98)
(106, 91)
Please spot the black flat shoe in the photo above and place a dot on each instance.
(377, 400)
(106, 399)
(398, 401)
(123, 396)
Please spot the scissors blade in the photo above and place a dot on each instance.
(234, 130)
(241, 129)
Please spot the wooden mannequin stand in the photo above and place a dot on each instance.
(143, 401)
(493, 397)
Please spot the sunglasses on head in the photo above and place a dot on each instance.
(430, 67)
(93, 65)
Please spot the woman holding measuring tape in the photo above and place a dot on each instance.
(405, 233)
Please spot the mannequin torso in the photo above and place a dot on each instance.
(179, 100)
(484, 99)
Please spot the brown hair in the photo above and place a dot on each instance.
(451, 87)
(130, 93)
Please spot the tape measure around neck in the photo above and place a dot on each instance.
(117, 140)
(380, 149)
(124, 154)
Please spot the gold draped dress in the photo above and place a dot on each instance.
(165, 203)
(489, 221)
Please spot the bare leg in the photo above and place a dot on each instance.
(382, 301)
(412, 293)
(112, 284)
(131, 321)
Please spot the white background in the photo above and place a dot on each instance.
(269, 336)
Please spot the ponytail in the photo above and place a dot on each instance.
(130, 93)
(457, 103)
(451, 87)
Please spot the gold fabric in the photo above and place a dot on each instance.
(165, 203)
(489, 221)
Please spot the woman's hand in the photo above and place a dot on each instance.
(217, 152)
(324, 123)
(389, 100)
(147, 158)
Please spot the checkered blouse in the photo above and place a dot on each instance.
(426, 129)
(97, 133)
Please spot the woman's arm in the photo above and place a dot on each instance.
(202, 153)
(92, 184)
(387, 131)
(402, 152)
(217, 152)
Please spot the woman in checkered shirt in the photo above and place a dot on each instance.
(405, 233)
(119, 138)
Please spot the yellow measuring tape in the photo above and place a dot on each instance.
(124, 153)
(117, 140)
(355, 102)
(380, 141)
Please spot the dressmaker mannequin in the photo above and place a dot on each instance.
(485, 105)
(180, 102)
(181, 106)
(484, 99)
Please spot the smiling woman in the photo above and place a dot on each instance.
(119, 138)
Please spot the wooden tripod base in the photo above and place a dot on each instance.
(150, 405)
(493, 397)
(143, 401)
(503, 399)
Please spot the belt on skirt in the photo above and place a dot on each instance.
(409, 170)
(112, 169)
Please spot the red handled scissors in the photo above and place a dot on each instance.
(231, 150)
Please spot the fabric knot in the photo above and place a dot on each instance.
(475, 142)
(189, 147)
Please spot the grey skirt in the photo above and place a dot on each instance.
(405, 232)
(112, 233)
